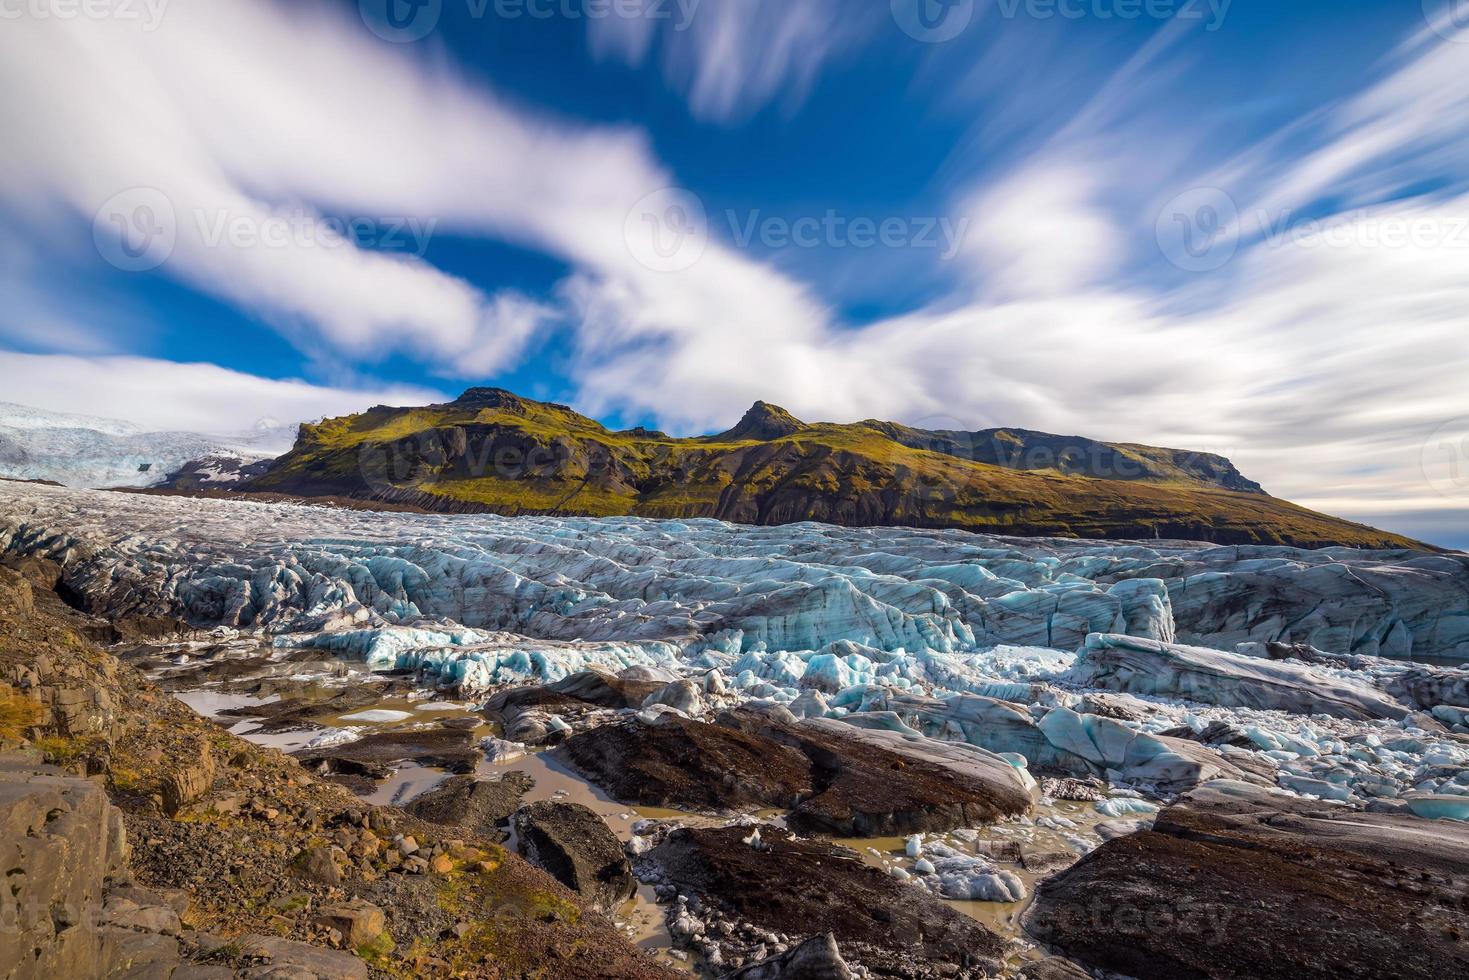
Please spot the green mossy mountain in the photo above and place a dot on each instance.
(491, 450)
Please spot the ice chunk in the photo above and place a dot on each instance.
(378, 716)
(1440, 807)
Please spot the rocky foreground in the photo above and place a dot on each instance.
(477, 746)
(139, 840)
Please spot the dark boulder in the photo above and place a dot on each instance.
(795, 887)
(572, 844)
(1235, 881)
(480, 805)
(691, 765)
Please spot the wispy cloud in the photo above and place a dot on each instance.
(731, 59)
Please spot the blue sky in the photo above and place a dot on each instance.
(1232, 226)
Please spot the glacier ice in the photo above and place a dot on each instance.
(1109, 660)
(1142, 666)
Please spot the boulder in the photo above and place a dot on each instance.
(833, 777)
(878, 783)
(627, 689)
(533, 715)
(794, 887)
(573, 845)
(1237, 881)
(358, 922)
(481, 805)
(282, 958)
(691, 765)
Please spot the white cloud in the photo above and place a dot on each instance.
(1041, 232)
(168, 396)
(731, 58)
(254, 118)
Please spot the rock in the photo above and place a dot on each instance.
(1140, 666)
(1075, 790)
(878, 783)
(187, 784)
(815, 959)
(691, 765)
(1042, 862)
(126, 914)
(60, 839)
(572, 844)
(1052, 968)
(317, 863)
(835, 778)
(359, 922)
(546, 715)
(630, 688)
(286, 958)
(1238, 881)
(482, 805)
(797, 886)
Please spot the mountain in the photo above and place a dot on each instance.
(492, 450)
(83, 451)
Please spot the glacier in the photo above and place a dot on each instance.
(85, 451)
(1152, 666)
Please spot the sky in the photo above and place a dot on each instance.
(1238, 226)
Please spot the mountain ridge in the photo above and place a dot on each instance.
(493, 450)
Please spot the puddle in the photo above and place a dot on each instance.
(408, 782)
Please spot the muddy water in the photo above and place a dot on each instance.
(1003, 918)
